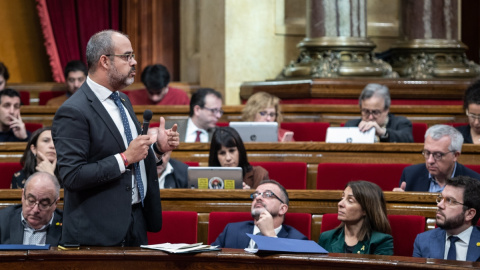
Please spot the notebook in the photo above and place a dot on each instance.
(215, 177)
(349, 135)
(256, 131)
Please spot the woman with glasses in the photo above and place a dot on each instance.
(227, 150)
(263, 107)
(39, 156)
(364, 227)
(471, 105)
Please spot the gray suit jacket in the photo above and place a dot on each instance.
(182, 128)
(98, 197)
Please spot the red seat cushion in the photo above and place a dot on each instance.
(307, 131)
(24, 97)
(292, 175)
(335, 176)
(418, 132)
(33, 126)
(178, 227)
(44, 97)
(8, 169)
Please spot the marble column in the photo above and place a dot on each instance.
(430, 46)
(336, 43)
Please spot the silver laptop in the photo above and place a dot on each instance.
(215, 177)
(349, 135)
(257, 131)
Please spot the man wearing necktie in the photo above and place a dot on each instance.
(108, 168)
(457, 236)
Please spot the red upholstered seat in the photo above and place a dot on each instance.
(44, 97)
(218, 220)
(307, 131)
(418, 131)
(334, 176)
(24, 97)
(192, 163)
(222, 124)
(7, 170)
(178, 227)
(404, 230)
(473, 167)
(33, 126)
(292, 175)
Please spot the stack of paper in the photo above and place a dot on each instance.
(274, 244)
(182, 248)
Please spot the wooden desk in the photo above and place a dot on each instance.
(137, 258)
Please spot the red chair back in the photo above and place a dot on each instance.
(217, 221)
(7, 170)
(307, 131)
(475, 168)
(178, 227)
(292, 175)
(405, 229)
(192, 163)
(418, 132)
(24, 97)
(222, 124)
(44, 97)
(334, 176)
(33, 126)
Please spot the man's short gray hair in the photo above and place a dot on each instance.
(375, 89)
(48, 176)
(436, 132)
(98, 45)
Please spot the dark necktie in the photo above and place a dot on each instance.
(452, 252)
(128, 134)
(198, 136)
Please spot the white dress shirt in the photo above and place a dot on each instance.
(191, 132)
(461, 246)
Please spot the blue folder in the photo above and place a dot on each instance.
(24, 247)
(266, 243)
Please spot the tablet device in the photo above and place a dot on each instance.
(215, 177)
(349, 135)
(256, 131)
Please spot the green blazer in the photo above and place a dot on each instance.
(379, 243)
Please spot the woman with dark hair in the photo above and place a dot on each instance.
(227, 150)
(39, 156)
(471, 105)
(364, 228)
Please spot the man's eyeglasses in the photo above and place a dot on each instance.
(472, 116)
(448, 201)
(214, 111)
(264, 113)
(127, 57)
(265, 194)
(30, 202)
(436, 155)
(366, 112)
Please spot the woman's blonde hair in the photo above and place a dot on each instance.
(258, 102)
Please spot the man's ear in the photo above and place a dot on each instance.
(470, 214)
(283, 209)
(196, 109)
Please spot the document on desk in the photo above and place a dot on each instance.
(274, 244)
(24, 247)
(182, 248)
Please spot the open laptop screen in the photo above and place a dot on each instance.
(256, 131)
(349, 135)
(215, 177)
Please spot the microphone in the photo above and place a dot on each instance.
(147, 116)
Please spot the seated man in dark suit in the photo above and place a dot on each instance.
(457, 237)
(12, 128)
(269, 206)
(443, 145)
(172, 173)
(374, 104)
(37, 221)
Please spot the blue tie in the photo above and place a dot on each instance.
(128, 133)
(452, 251)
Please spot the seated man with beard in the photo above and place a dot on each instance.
(268, 211)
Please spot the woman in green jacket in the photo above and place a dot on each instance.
(364, 228)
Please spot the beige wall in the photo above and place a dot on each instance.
(21, 48)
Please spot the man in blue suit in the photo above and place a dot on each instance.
(457, 237)
(269, 206)
(443, 145)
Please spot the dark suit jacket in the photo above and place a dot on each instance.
(179, 177)
(467, 136)
(182, 128)
(11, 228)
(399, 128)
(431, 244)
(379, 243)
(234, 234)
(416, 176)
(98, 198)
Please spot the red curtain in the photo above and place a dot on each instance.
(71, 24)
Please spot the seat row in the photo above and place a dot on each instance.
(181, 227)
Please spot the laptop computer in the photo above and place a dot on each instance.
(256, 131)
(349, 135)
(215, 177)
